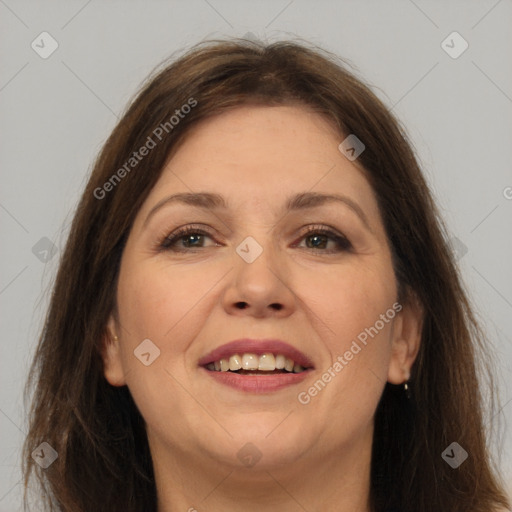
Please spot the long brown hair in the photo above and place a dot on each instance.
(103, 462)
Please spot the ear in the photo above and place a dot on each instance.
(111, 355)
(406, 340)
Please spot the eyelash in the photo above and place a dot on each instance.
(169, 241)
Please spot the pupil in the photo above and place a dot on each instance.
(187, 239)
(317, 238)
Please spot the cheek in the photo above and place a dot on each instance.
(353, 311)
(348, 299)
(164, 305)
(154, 299)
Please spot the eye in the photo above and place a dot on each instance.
(319, 237)
(317, 240)
(189, 237)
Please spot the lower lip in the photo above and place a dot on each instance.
(258, 383)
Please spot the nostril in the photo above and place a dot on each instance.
(244, 305)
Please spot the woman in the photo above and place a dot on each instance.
(256, 308)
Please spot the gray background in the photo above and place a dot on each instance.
(56, 113)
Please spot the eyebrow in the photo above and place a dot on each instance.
(302, 201)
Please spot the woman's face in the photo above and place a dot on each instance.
(317, 276)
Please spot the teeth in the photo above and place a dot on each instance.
(250, 362)
(280, 360)
(266, 362)
(235, 362)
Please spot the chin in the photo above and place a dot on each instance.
(259, 447)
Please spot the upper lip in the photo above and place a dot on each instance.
(258, 347)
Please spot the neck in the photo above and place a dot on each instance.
(338, 480)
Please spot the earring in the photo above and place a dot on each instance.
(116, 338)
(407, 390)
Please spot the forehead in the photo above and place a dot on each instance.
(281, 137)
(256, 155)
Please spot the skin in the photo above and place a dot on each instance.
(314, 456)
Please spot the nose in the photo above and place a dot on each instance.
(260, 288)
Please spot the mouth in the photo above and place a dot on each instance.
(257, 365)
(254, 364)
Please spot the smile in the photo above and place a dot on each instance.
(253, 364)
(256, 366)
